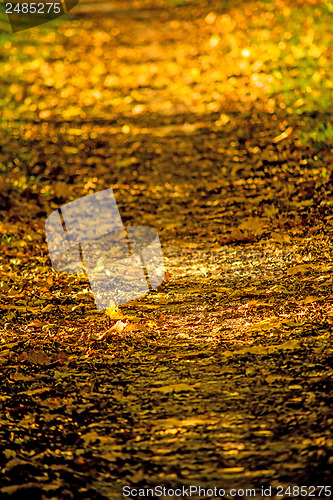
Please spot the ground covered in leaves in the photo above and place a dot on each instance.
(212, 123)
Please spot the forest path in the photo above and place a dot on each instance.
(223, 376)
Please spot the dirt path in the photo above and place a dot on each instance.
(223, 377)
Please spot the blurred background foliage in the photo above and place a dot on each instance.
(270, 58)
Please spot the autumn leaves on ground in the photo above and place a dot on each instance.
(211, 122)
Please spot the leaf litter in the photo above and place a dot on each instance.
(223, 375)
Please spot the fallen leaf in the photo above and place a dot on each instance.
(167, 389)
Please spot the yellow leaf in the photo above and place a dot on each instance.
(282, 136)
(300, 269)
(271, 211)
(265, 325)
(112, 310)
(166, 389)
(255, 225)
(61, 189)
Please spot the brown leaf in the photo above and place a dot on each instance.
(35, 358)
